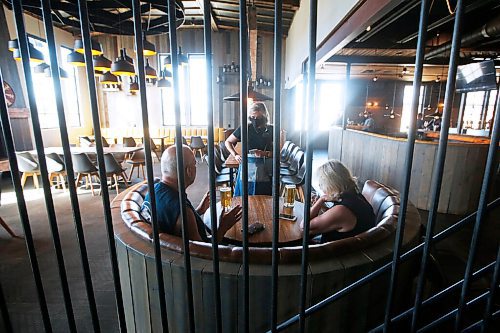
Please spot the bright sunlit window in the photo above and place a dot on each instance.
(473, 110)
(192, 92)
(44, 91)
(407, 98)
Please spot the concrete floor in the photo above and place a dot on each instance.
(17, 279)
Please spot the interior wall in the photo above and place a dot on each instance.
(51, 137)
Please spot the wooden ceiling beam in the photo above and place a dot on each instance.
(213, 22)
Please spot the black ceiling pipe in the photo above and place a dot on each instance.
(489, 30)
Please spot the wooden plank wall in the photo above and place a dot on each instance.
(382, 159)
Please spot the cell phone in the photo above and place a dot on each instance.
(255, 228)
(288, 217)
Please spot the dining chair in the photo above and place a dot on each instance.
(83, 167)
(197, 145)
(85, 141)
(154, 149)
(298, 180)
(56, 168)
(224, 151)
(137, 160)
(129, 142)
(28, 165)
(114, 170)
(104, 142)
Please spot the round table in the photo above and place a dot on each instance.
(260, 209)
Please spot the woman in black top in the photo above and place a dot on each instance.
(350, 215)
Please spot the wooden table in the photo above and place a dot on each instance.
(260, 210)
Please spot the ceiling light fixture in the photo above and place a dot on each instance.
(34, 54)
(95, 45)
(40, 68)
(75, 59)
(122, 66)
(13, 45)
(101, 63)
(182, 58)
(252, 95)
(405, 71)
(163, 82)
(150, 71)
(148, 47)
(109, 78)
(134, 86)
(375, 78)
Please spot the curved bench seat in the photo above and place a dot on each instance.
(332, 266)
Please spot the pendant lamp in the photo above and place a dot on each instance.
(35, 55)
(252, 94)
(40, 68)
(75, 59)
(150, 71)
(167, 62)
(149, 49)
(62, 73)
(101, 63)
(163, 82)
(134, 86)
(182, 58)
(108, 78)
(95, 45)
(122, 66)
(13, 45)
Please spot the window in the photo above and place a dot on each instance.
(299, 100)
(44, 90)
(192, 92)
(407, 99)
(473, 111)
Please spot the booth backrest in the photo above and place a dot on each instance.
(136, 132)
(384, 200)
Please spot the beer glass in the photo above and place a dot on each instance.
(225, 198)
(289, 195)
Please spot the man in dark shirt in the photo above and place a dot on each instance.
(168, 202)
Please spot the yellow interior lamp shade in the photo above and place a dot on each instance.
(76, 59)
(150, 71)
(121, 66)
(149, 49)
(101, 63)
(13, 45)
(35, 55)
(96, 47)
(108, 78)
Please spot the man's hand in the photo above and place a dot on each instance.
(227, 220)
(238, 158)
(204, 204)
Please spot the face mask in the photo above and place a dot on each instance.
(257, 122)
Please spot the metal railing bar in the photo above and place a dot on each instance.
(42, 163)
(138, 40)
(472, 328)
(180, 162)
(310, 137)
(244, 154)
(493, 291)
(108, 220)
(410, 148)
(21, 206)
(369, 277)
(7, 324)
(441, 156)
(436, 296)
(488, 179)
(77, 219)
(207, 31)
(278, 40)
(438, 321)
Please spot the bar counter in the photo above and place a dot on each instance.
(382, 157)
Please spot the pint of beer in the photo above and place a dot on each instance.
(225, 197)
(289, 196)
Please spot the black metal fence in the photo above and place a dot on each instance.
(490, 312)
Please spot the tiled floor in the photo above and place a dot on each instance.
(17, 280)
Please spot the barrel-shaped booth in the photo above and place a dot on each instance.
(332, 266)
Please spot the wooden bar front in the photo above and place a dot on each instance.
(382, 158)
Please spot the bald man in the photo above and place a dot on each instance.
(168, 203)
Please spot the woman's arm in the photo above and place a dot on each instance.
(230, 143)
(339, 218)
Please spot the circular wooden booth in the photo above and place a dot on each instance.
(332, 266)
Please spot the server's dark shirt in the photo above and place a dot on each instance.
(365, 218)
(262, 140)
(168, 209)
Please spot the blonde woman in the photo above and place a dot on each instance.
(350, 215)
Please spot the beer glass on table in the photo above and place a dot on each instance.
(289, 195)
(225, 198)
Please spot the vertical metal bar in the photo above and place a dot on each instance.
(278, 40)
(417, 82)
(85, 31)
(488, 311)
(484, 109)
(439, 165)
(37, 133)
(310, 137)
(463, 101)
(180, 161)
(54, 67)
(21, 206)
(139, 46)
(304, 100)
(207, 30)
(244, 153)
(488, 179)
(7, 325)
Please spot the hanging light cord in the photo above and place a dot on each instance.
(149, 15)
(449, 7)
